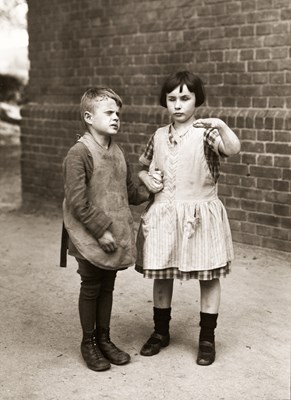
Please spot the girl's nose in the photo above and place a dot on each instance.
(177, 104)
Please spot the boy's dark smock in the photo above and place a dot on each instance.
(98, 188)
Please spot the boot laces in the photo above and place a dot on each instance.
(95, 346)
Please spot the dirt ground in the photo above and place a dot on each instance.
(40, 332)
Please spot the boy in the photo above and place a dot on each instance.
(97, 218)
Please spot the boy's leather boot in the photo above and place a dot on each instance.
(92, 355)
(109, 350)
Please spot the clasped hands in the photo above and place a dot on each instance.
(153, 183)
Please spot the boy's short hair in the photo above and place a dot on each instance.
(193, 83)
(92, 94)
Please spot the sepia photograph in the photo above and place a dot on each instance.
(145, 199)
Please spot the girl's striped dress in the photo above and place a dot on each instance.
(184, 233)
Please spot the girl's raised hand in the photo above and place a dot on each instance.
(208, 123)
(229, 144)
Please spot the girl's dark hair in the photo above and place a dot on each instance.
(193, 83)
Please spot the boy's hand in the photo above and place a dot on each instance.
(152, 184)
(107, 242)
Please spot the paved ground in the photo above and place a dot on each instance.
(40, 332)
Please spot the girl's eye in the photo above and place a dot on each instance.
(171, 99)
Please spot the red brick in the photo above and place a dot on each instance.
(247, 193)
(282, 161)
(259, 102)
(264, 219)
(263, 207)
(280, 209)
(265, 160)
(246, 238)
(264, 230)
(283, 136)
(275, 102)
(277, 148)
(232, 203)
(265, 172)
(278, 197)
(276, 244)
(249, 205)
(281, 186)
(249, 158)
(287, 174)
(248, 182)
(286, 223)
(253, 147)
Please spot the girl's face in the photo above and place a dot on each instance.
(181, 104)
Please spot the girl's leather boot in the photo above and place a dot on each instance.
(92, 355)
(160, 337)
(109, 350)
(206, 352)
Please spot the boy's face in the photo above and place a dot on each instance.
(181, 104)
(104, 120)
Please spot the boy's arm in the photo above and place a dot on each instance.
(145, 161)
(136, 194)
(78, 167)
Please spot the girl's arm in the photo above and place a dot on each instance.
(230, 144)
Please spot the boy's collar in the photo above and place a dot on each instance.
(99, 144)
(88, 134)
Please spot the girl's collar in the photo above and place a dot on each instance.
(174, 136)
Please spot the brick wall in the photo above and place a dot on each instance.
(241, 49)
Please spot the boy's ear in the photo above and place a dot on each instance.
(87, 117)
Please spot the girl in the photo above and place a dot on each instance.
(184, 233)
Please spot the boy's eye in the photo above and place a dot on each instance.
(112, 112)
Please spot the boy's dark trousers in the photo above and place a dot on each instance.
(95, 306)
